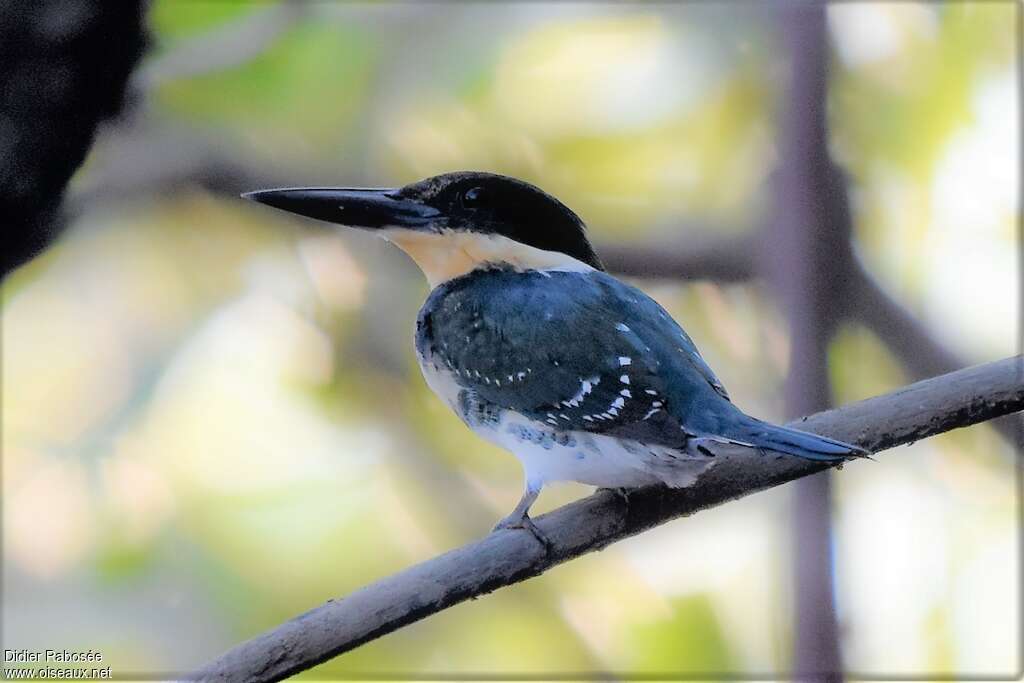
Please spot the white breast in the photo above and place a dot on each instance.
(442, 383)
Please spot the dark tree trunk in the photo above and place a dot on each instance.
(809, 263)
(64, 66)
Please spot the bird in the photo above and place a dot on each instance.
(539, 350)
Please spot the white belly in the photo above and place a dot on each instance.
(550, 455)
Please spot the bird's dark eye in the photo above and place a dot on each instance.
(471, 197)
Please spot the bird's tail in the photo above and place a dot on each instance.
(759, 434)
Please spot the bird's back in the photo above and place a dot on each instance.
(574, 350)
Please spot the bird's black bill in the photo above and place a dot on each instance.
(358, 208)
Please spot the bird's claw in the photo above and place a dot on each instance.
(524, 522)
(620, 492)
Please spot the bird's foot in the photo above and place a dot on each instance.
(620, 492)
(517, 521)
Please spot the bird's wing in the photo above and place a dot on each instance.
(578, 351)
(692, 356)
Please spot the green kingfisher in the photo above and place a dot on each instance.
(537, 349)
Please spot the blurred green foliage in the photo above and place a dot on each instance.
(906, 115)
(275, 90)
(171, 20)
(705, 649)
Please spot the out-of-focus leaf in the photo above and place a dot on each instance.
(580, 107)
(905, 113)
(691, 640)
(313, 80)
(860, 366)
(117, 562)
(171, 19)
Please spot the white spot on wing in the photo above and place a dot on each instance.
(625, 360)
(586, 386)
(622, 327)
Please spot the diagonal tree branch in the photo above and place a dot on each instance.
(915, 412)
(908, 339)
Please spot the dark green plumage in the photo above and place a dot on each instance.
(580, 351)
(584, 351)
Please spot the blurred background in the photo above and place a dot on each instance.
(212, 415)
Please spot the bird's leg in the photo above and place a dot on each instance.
(520, 517)
(522, 510)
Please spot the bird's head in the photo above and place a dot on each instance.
(454, 223)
